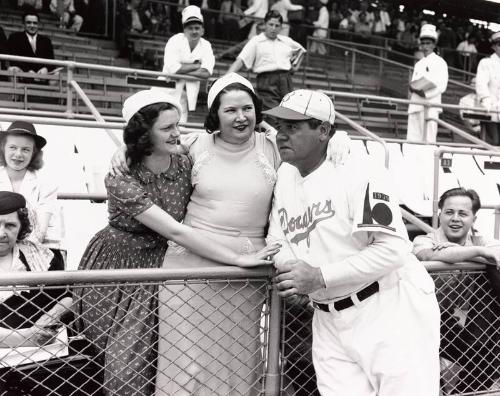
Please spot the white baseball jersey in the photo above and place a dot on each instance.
(341, 220)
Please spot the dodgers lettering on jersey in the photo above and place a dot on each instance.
(302, 225)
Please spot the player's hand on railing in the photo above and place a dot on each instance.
(491, 255)
(119, 164)
(262, 257)
(338, 148)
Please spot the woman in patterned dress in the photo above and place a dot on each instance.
(145, 207)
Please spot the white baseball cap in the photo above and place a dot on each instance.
(223, 82)
(191, 13)
(495, 37)
(428, 31)
(144, 98)
(304, 104)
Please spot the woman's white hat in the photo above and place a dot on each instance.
(428, 31)
(223, 82)
(144, 98)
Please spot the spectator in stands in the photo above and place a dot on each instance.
(189, 53)
(273, 58)
(65, 9)
(20, 163)
(321, 31)
(453, 242)
(382, 20)
(258, 9)
(145, 208)
(158, 15)
(470, 101)
(28, 318)
(488, 91)
(447, 41)
(30, 4)
(428, 82)
(363, 19)
(335, 17)
(283, 6)
(228, 20)
(467, 51)
(132, 19)
(30, 44)
(408, 41)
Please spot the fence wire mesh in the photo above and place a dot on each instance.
(164, 338)
(206, 337)
(470, 338)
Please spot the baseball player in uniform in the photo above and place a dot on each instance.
(376, 322)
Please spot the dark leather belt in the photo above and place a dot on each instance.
(347, 302)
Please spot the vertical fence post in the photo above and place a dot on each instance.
(426, 121)
(496, 231)
(353, 67)
(435, 193)
(273, 377)
(69, 96)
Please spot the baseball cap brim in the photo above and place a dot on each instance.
(286, 114)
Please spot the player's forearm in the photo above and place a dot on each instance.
(236, 66)
(452, 254)
(188, 68)
(202, 73)
(376, 260)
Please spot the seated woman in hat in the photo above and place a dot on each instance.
(20, 161)
(29, 317)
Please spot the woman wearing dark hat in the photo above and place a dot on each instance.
(145, 209)
(27, 318)
(21, 160)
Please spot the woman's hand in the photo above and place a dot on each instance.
(119, 164)
(262, 257)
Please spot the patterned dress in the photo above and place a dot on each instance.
(121, 320)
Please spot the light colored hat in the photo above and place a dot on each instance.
(191, 13)
(428, 31)
(304, 104)
(495, 37)
(324, 2)
(144, 98)
(223, 82)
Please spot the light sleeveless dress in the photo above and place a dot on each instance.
(209, 334)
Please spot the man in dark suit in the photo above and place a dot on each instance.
(31, 44)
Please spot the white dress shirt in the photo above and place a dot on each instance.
(488, 84)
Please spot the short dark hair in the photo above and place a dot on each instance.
(461, 192)
(273, 14)
(212, 121)
(25, 228)
(29, 10)
(136, 133)
(36, 162)
(192, 22)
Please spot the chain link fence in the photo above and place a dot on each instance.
(146, 335)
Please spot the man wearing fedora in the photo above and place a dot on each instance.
(488, 91)
(189, 53)
(376, 317)
(433, 71)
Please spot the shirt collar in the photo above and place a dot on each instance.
(441, 237)
(262, 37)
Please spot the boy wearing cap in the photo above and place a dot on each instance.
(273, 58)
(434, 69)
(189, 53)
(488, 91)
(376, 322)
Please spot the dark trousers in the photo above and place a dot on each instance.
(272, 86)
(490, 132)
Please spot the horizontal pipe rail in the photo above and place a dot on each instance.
(131, 275)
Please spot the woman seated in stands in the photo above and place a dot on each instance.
(21, 158)
(27, 318)
(468, 315)
(145, 209)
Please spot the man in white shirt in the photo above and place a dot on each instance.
(283, 6)
(189, 53)
(273, 58)
(488, 91)
(376, 322)
(434, 69)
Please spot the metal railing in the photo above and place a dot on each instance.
(221, 330)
